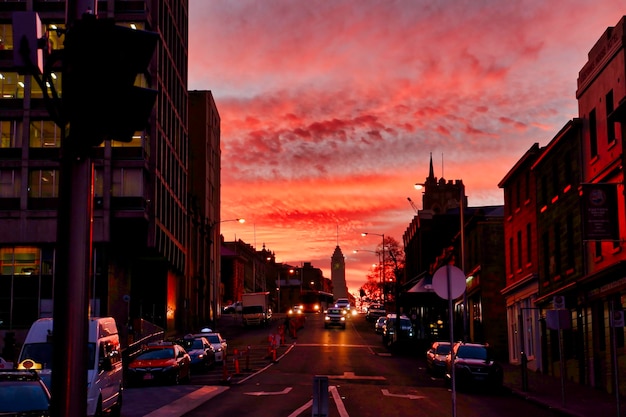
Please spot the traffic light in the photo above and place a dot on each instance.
(101, 63)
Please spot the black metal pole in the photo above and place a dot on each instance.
(73, 261)
(523, 358)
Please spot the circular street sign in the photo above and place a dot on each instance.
(457, 282)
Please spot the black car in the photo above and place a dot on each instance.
(389, 330)
(473, 364)
(375, 311)
(200, 351)
(23, 393)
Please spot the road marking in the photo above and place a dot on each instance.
(259, 393)
(409, 396)
(333, 345)
(338, 403)
(188, 402)
(351, 376)
(341, 408)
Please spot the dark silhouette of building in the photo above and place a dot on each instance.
(141, 218)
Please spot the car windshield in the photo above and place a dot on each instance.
(22, 396)
(334, 311)
(472, 352)
(443, 349)
(213, 338)
(166, 353)
(42, 354)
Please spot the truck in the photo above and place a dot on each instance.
(256, 308)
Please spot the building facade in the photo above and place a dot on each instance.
(203, 290)
(601, 292)
(521, 287)
(140, 219)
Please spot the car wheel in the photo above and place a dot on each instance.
(116, 410)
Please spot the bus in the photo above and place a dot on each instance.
(315, 301)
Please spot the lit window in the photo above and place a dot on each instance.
(44, 134)
(43, 184)
(10, 134)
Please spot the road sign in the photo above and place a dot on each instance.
(456, 278)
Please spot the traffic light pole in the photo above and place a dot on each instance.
(73, 262)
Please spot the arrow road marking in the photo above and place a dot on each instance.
(341, 408)
(409, 396)
(260, 393)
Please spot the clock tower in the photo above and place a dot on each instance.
(338, 274)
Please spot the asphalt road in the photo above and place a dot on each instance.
(328, 372)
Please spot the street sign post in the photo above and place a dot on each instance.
(449, 283)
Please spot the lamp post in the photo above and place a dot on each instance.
(382, 270)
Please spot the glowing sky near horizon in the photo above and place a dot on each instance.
(330, 110)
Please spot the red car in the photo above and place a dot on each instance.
(163, 362)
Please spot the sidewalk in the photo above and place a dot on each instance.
(568, 398)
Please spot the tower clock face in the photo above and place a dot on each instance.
(336, 265)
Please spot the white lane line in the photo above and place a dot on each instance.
(300, 410)
(259, 393)
(188, 402)
(409, 396)
(338, 402)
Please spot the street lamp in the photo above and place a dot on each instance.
(233, 220)
(382, 270)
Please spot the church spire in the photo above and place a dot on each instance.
(431, 171)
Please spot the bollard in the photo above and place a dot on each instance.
(225, 377)
(236, 359)
(281, 332)
(270, 346)
(320, 396)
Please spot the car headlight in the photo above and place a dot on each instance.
(343, 319)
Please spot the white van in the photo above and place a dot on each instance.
(104, 374)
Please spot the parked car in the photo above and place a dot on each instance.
(436, 358)
(200, 351)
(23, 393)
(389, 330)
(473, 364)
(163, 362)
(380, 323)
(374, 311)
(233, 308)
(219, 344)
(335, 316)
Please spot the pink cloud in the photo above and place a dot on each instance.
(330, 110)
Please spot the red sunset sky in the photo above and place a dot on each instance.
(330, 108)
